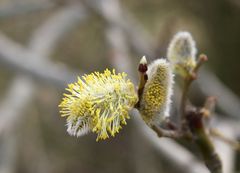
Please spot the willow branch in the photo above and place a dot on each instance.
(179, 156)
(174, 134)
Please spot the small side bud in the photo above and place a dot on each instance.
(142, 68)
(182, 51)
(155, 102)
(143, 60)
(203, 58)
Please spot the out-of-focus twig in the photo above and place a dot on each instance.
(8, 149)
(20, 92)
(223, 148)
(123, 19)
(116, 38)
(227, 101)
(20, 8)
(14, 56)
(45, 38)
(225, 138)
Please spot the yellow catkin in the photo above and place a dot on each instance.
(155, 101)
(99, 102)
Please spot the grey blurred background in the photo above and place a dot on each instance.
(45, 44)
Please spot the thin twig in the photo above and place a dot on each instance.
(167, 133)
(217, 134)
(183, 102)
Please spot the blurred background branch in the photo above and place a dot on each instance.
(11, 9)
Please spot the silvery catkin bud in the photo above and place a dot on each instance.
(156, 98)
(182, 50)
